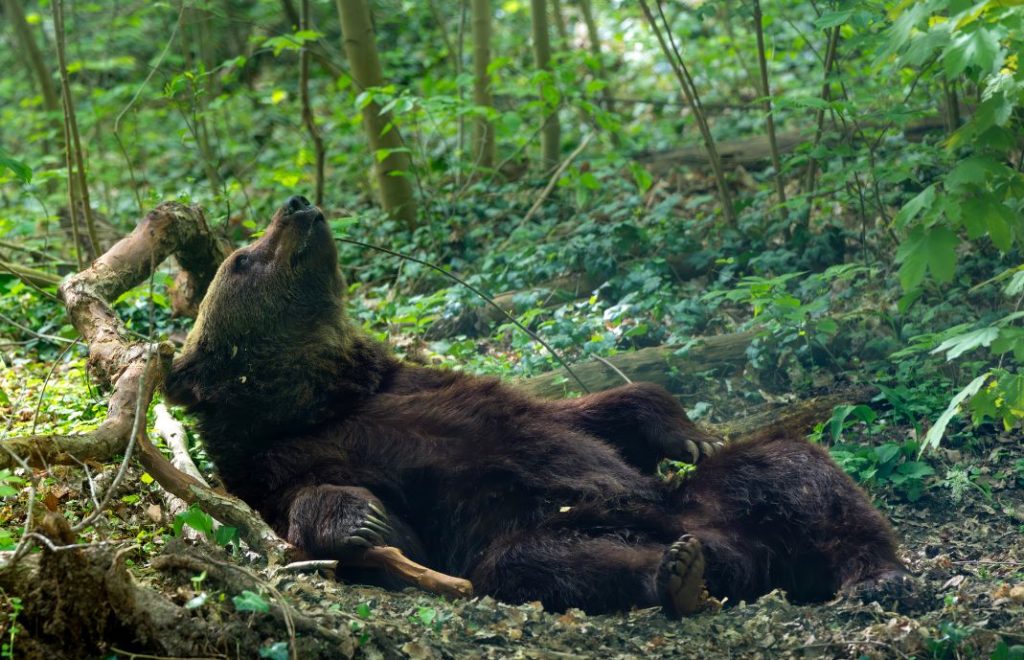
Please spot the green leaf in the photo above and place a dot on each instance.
(833, 18)
(225, 535)
(1010, 339)
(21, 171)
(935, 433)
(887, 452)
(426, 615)
(977, 48)
(922, 202)
(976, 170)
(957, 346)
(933, 249)
(276, 651)
(195, 518)
(249, 601)
(641, 176)
(916, 470)
(999, 222)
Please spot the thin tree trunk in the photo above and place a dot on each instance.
(77, 182)
(762, 61)
(689, 91)
(483, 129)
(560, 28)
(826, 95)
(307, 111)
(393, 171)
(34, 57)
(551, 133)
(594, 37)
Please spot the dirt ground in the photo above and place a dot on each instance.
(968, 559)
(965, 548)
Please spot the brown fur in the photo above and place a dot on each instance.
(310, 422)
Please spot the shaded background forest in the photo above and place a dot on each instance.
(826, 194)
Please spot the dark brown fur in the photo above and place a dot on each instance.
(310, 421)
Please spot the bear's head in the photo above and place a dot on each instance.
(271, 333)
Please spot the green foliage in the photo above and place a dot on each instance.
(886, 464)
(982, 194)
(249, 601)
(13, 629)
(202, 522)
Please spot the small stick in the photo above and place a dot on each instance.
(393, 561)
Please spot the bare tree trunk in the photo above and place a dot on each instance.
(34, 57)
(819, 121)
(762, 61)
(560, 28)
(595, 49)
(668, 47)
(393, 171)
(551, 133)
(307, 110)
(78, 188)
(483, 129)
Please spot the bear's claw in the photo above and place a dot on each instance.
(681, 578)
(373, 531)
(694, 452)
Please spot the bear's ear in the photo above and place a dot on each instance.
(184, 383)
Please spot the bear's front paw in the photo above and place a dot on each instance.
(681, 578)
(690, 449)
(373, 530)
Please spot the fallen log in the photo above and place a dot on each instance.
(657, 364)
(756, 150)
(795, 419)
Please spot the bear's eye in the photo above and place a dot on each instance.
(241, 263)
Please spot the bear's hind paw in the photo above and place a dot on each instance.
(681, 578)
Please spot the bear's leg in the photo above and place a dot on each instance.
(642, 420)
(782, 514)
(596, 574)
(332, 522)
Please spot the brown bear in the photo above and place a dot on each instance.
(341, 446)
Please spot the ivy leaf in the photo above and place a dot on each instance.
(933, 249)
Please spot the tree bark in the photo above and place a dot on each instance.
(656, 364)
(551, 132)
(483, 129)
(33, 55)
(594, 39)
(780, 188)
(394, 171)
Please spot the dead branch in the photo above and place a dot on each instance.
(135, 369)
(116, 358)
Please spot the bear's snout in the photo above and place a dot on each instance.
(297, 203)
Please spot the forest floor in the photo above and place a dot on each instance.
(968, 601)
(963, 547)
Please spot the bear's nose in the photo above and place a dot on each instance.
(297, 203)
